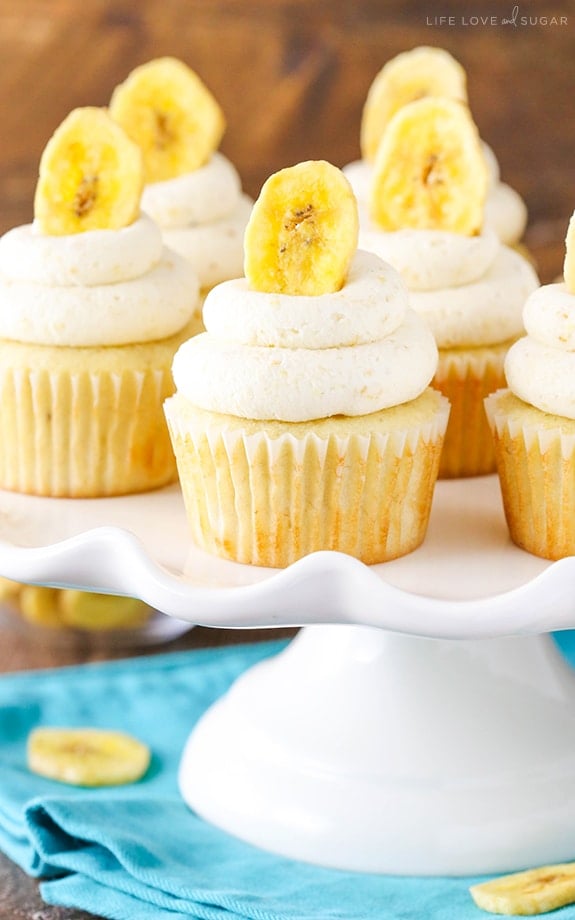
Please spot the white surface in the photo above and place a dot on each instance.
(466, 581)
(364, 750)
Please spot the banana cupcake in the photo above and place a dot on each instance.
(92, 310)
(428, 194)
(302, 418)
(416, 74)
(192, 191)
(533, 421)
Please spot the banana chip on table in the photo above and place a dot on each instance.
(524, 894)
(91, 176)
(61, 608)
(9, 589)
(39, 605)
(302, 232)
(87, 756)
(97, 612)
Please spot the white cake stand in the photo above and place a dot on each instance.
(429, 729)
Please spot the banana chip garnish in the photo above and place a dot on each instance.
(430, 172)
(411, 75)
(91, 176)
(171, 115)
(302, 233)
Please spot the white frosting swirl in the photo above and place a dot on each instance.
(540, 368)
(430, 261)
(294, 384)
(91, 258)
(549, 316)
(470, 290)
(93, 289)
(359, 175)
(492, 163)
(215, 250)
(486, 312)
(205, 195)
(369, 307)
(505, 213)
(203, 216)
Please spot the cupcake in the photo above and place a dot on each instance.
(92, 310)
(302, 418)
(415, 74)
(192, 191)
(533, 421)
(427, 200)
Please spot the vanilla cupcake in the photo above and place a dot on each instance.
(428, 193)
(533, 421)
(412, 75)
(192, 191)
(92, 310)
(302, 419)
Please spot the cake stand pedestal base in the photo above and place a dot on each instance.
(366, 750)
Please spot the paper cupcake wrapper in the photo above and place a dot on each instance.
(536, 467)
(466, 377)
(85, 434)
(271, 500)
(87, 422)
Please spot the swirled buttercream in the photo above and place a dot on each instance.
(359, 175)
(485, 312)
(306, 381)
(98, 302)
(540, 367)
(505, 210)
(505, 213)
(205, 195)
(371, 305)
(203, 216)
(492, 163)
(470, 290)
(431, 261)
(88, 259)
(215, 250)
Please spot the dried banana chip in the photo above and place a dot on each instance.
(524, 894)
(87, 756)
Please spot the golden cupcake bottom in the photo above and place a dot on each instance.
(535, 454)
(268, 493)
(86, 422)
(466, 376)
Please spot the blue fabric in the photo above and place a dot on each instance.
(138, 851)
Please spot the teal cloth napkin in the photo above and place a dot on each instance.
(137, 851)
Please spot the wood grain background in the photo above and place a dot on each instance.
(292, 76)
